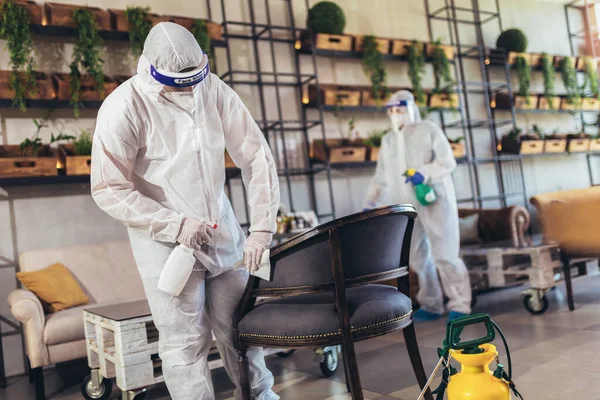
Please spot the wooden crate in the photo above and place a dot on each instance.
(449, 50)
(443, 100)
(45, 87)
(73, 163)
(119, 23)
(458, 149)
(58, 14)
(581, 60)
(373, 153)
(544, 105)
(558, 61)
(334, 96)
(368, 101)
(577, 145)
(535, 59)
(34, 10)
(88, 87)
(347, 154)
(512, 57)
(595, 144)
(334, 42)
(531, 147)
(564, 105)
(521, 102)
(383, 45)
(555, 145)
(214, 30)
(400, 47)
(12, 164)
(337, 151)
(590, 104)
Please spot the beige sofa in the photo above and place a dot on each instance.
(107, 273)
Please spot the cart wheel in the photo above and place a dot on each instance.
(473, 299)
(330, 363)
(286, 354)
(536, 309)
(101, 393)
(140, 396)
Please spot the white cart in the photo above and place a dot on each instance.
(122, 343)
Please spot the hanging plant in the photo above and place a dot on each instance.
(139, 26)
(524, 73)
(416, 69)
(374, 69)
(14, 28)
(549, 76)
(443, 82)
(569, 78)
(591, 79)
(200, 32)
(86, 55)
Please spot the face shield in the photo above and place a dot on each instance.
(402, 110)
(182, 79)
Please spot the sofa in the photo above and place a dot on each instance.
(106, 272)
(571, 218)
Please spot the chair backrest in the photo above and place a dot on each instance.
(371, 244)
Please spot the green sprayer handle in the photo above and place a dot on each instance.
(455, 328)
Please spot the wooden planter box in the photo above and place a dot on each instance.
(45, 87)
(73, 163)
(564, 105)
(337, 151)
(522, 146)
(332, 96)
(594, 144)
(34, 10)
(383, 45)
(555, 145)
(334, 42)
(214, 30)
(13, 165)
(119, 23)
(368, 101)
(88, 87)
(373, 153)
(557, 61)
(544, 105)
(578, 145)
(521, 102)
(580, 62)
(458, 149)
(535, 59)
(512, 57)
(590, 104)
(58, 14)
(443, 100)
(399, 47)
(449, 50)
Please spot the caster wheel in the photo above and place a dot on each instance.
(330, 363)
(140, 396)
(286, 354)
(536, 309)
(101, 393)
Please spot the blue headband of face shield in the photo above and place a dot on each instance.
(180, 79)
(401, 103)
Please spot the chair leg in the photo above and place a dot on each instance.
(415, 358)
(351, 368)
(38, 379)
(244, 367)
(568, 281)
(346, 374)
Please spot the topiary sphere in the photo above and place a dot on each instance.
(512, 40)
(326, 17)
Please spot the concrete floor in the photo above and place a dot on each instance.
(555, 356)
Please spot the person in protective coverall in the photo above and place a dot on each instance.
(158, 167)
(422, 146)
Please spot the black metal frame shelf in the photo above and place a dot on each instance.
(365, 109)
(52, 104)
(542, 111)
(353, 54)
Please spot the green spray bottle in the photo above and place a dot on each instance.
(425, 193)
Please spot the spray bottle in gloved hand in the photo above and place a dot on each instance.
(425, 193)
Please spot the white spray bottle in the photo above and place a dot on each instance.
(177, 270)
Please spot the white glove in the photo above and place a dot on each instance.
(255, 246)
(194, 233)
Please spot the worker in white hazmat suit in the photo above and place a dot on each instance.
(422, 146)
(158, 167)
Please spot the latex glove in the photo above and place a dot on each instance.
(194, 233)
(369, 206)
(416, 179)
(255, 246)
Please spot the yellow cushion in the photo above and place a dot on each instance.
(55, 286)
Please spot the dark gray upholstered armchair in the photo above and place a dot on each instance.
(326, 292)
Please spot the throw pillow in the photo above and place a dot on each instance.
(55, 286)
(469, 229)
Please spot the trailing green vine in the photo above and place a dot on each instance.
(591, 78)
(524, 73)
(374, 69)
(549, 77)
(569, 78)
(443, 82)
(200, 32)
(86, 55)
(416, 69)
(139, 26)
(14, 28)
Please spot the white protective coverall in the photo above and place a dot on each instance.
(159, 157)
(435, 242)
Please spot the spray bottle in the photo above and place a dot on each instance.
(424, 193)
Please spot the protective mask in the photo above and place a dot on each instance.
(398, 121)
(184, 100)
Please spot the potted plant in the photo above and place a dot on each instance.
(458, 146)
(548, 100)
(555, 143)
(416, 69)
(30, 158)
(375, 71)
(373, 142)
(325, 23)
(515, 142)
(443, 92)
(15, 29)
(578, 142)
(75, 157)
(523, 100)
(139, 24)
(572, 100)
(513, 42)
(348, 149)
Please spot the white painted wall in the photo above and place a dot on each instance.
(66, 215)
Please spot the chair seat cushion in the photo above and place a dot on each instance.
(315, 316)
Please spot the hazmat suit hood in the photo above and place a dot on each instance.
(410, 115)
